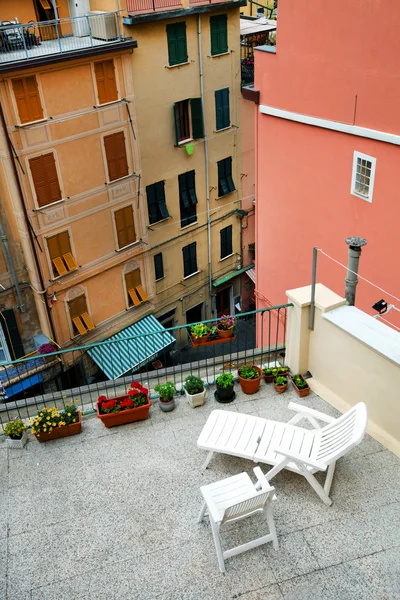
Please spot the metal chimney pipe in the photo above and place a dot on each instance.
(355, 244)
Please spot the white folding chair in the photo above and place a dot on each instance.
(237, 498)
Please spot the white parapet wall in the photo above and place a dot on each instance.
(352, 358)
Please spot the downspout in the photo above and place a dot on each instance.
(10, 263)
(26, 219)
(205, 156)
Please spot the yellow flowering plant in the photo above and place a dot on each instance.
(49, 418)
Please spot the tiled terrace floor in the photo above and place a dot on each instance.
(111, 514)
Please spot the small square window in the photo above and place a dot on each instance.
(362, 181)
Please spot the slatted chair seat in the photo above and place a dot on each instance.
(285, 445)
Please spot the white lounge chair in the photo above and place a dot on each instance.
(233, 499)
(284, 445)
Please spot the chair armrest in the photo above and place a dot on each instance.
(262, 480)
(308, 413)
(299, 458)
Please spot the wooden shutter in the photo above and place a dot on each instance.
(79, 315)
(222, 108)
(189, 259)
(222, 185)
(45, 179)
(105, 81)
(226, 241)
(191, 187)
(117, 162)
(177, 47)
(219, 34)
(27, 97)
(183, 191)
(160, 197)
(125, 226)
(197, 118)
(158, 266)
(152, 203)
(181, 119)
(228, 174)
(59, 247)
(136, 293)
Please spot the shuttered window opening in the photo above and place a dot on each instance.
(225, 181)
(136, 292)
(81, 320)
(125, 226)
(158, 266)
(62, 260)
(222, 111)
(226, 241)
(105, 81)
(156, 204)
(188, 118)
(117, 162)
(177, 47)
(189, 259)
(187, 198)
(219, 34)
(26, 93)
(45, 179)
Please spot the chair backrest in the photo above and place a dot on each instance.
(254, 502)
(337, 438)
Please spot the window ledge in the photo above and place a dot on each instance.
(120, 179)
(223, 129)
(47, 206)
(191, 275)
(183, 142)
(225, 195)
(160, 279)
(157, 222)
(178, 65)
(64, 274)
(225, 257)
(218, 55)
(98, 105)
(361, 196)
(127, 246)
(187, 226)
(22, 125)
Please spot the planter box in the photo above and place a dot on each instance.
(196, 399)
(124, 416)
(210, 342)
(225, 333)
(302, 393)
(17, 444)
(61, 432)
(250, 386)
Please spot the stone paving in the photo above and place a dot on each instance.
(111, 515)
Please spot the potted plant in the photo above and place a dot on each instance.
(50, 424)
(249, 378)
(195, 391)
(225, 326)
(17, 434)
(280, 383)
(47, 348)
(224, 392)
(300, 385)
(166, 391)
(269, 374)
(133, 406)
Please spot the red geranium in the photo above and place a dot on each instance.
(109, 406)
(127, 403)
(137, 395)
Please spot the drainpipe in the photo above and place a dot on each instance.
(27, 223)
(355, 244)
(10, 263)
(205, 155)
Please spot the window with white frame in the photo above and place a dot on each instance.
(362, 181)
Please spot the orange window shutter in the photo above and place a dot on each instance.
(142, 293)
(21, 100)
(100, 82)
(79, 325)
(34, 103)
(69, 261)
(129, 224)
(120, 227)
(45, 179)
(110, 81)
(134, 297)
(59, 265)
(117, 162)
(87, 320)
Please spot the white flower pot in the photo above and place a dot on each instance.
(17, 444)
(196, 399)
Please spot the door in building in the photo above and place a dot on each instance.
(195, 314)
(224, 301)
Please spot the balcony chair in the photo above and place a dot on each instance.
(284, 445)
(237, 498)
(11, 36)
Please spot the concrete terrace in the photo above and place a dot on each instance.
(111, 514)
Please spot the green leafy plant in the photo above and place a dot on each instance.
(199, 330)
(15, 429)
(270, 370)
(299, 381)
(248, 372)
(166, 391)
(280, 380)
(194, 385)
(225, 380)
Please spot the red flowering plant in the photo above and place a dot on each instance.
(137, 395)
(226, 322)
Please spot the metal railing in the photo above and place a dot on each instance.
(37, 39)
(247, 73)
(58, 378)
(144, 6)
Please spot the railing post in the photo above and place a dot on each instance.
(90, 30)
(313, 283)
(21, 33)
(58, 36)
(154, 6)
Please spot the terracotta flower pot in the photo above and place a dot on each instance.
(250, 386)
(60, 432)
(280, 388)
(301, 392)
(224, 333)
(124, 416)
(269, 378)
(200, 341)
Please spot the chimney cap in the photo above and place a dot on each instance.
(356, 242)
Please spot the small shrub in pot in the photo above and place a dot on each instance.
(194, 390)
(167, 392)
(224, 383)
(16, 432)
(280, 383)
(249, 378)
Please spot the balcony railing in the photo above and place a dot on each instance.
(20, 42)
(72, 374)
(247, 72)
(146, 6)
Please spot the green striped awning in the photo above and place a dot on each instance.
(131, 348)
(226, 278)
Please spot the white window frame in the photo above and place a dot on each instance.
(372, 160)
(4, 347)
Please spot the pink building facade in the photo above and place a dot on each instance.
(327, 149)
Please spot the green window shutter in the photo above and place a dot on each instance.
(222, 238)
(219, 34)
(152, 204)
(226, 241)
(11, 333)
(218, 109)
(183, 191)
(228, 174)
(160, 197)
(225, 108)
(191, 186)
(222, 111)
(197, 118)
(222, 184)
(158, 266)
(177, 47)
(176, 121)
